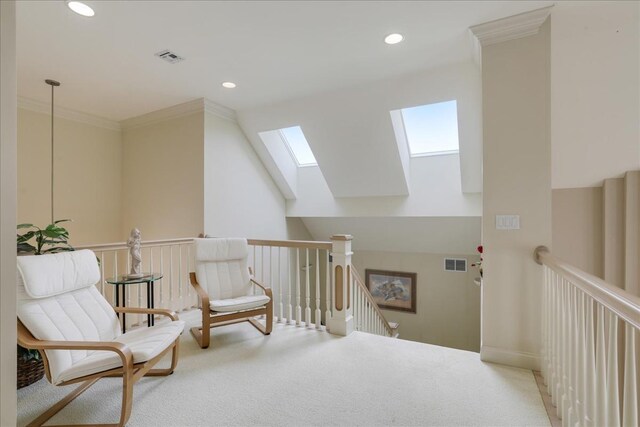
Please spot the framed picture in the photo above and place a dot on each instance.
(392, 290)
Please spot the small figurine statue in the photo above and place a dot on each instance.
(134, 250)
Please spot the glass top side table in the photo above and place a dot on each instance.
(121, 281)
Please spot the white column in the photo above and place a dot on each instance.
(341, 323)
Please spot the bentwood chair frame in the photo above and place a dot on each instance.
(129, 371)
(212, 319)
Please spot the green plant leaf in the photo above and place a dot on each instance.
(62, 220)
(24, 226)
(25, 247)
(58, 249)
(54, 233)
(26, 236)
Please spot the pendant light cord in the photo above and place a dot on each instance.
(53, 84)
(52, 153)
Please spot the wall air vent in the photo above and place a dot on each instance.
(169, 56)
(453, 264)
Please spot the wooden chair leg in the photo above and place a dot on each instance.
(43, 418)
(174, 363)
(127, 397)
(269, 317)
(265, 329)
(203, 334)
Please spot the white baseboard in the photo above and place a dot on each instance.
(503, 356)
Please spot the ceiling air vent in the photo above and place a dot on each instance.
(169, 56)
(453, 264)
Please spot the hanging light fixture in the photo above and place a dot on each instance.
(53, 84)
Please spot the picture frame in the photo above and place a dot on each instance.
(392, 290)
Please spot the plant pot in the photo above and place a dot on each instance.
(29, 371)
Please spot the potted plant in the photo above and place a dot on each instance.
(478, 264)
(51, 239)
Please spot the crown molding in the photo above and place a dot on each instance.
(510, 28)
(220, 110)
(173, 112)
(191, 107)
(67, 113)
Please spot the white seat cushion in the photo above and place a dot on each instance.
(239, 304)
(145, 344)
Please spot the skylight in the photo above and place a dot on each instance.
(298, 146)
(432, 129)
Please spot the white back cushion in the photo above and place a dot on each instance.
(49, 275)
(66, 308)
(222, 268)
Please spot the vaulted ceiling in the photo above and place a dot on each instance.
(319, 65)
(273, 50)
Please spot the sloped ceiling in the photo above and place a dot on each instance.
(351, 134)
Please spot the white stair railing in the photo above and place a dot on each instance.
(298, 273)
(590, 351)
(275, 263)
(366, 313)
(172, 258)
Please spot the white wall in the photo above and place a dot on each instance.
(163, 187)
(88, 176)
(240, 198)
(351, 134)
(447, 303)
(517, 180)
(595, 95)
(402, 234)
(434, 190)
(8, 206)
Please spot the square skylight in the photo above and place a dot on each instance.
(298, 146)
(432, 129)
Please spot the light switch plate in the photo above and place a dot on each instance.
(507, 222)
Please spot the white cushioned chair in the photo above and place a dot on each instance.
(62, 314)
(224, 285)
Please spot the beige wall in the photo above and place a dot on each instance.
(240, 197)
(517, 180)
(8, 177)
(448, 303)
(577, 228)
(163, 189)
(88, 176)
(595, 100)
(297, 230)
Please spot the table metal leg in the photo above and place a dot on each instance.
(124, 315)
(149, 305)
(153, 304)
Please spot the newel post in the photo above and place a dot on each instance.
(341, 322)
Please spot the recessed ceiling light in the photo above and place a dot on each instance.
(80, 8)
(393, 38)
(229, 85)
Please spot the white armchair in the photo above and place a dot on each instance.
(62, 314)
(224, 285)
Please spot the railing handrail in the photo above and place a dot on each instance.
(622, 303)
(368, 295)
(123, 245)
(303, 244)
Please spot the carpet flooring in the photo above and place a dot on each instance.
(301, 377)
